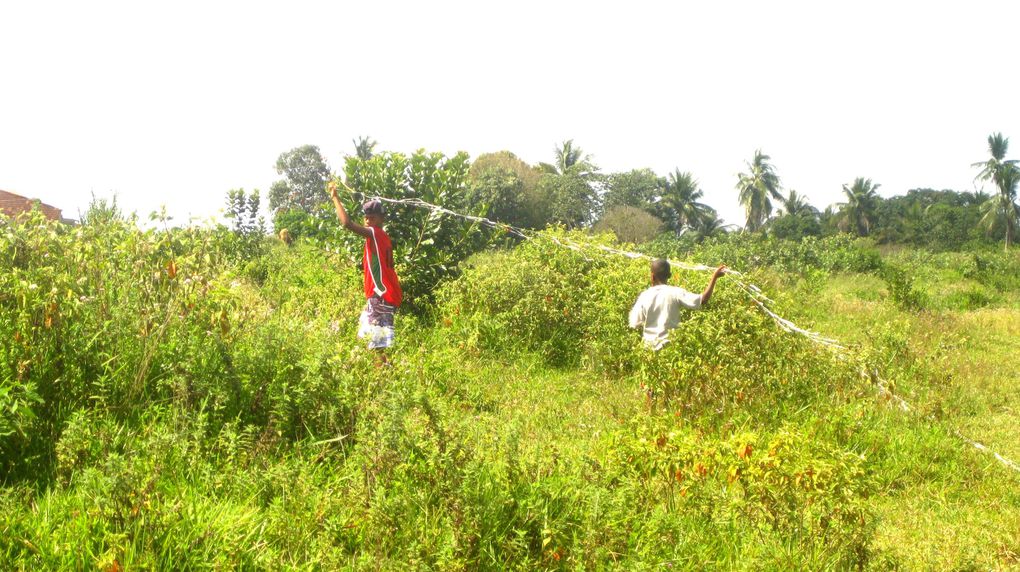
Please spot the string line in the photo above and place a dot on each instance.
(752, 291)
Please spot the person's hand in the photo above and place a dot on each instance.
(720, 271)
(331, 187)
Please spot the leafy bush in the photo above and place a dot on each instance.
(88, 309)
(901, 288)
(744, 251)
(629, 224)
(428, 247)
(999, 270)
(108, 316)
(532, 298)
(169, 404)
(787, 482)
(320, 225)
(572, 309)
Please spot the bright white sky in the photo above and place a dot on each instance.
(176, 103)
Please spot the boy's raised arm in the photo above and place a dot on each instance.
(341, 212)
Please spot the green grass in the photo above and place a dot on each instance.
(260, 436)
(958, 366)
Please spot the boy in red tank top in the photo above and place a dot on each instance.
(382, 288)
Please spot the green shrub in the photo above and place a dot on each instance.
(106, 315)
(571, 309)
(746, 251)
(171, 405)
(787, 483)
(427, 246)
(88, 309)
(998, 270)
(901, 287)
(527, 299)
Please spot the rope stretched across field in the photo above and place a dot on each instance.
(752, 291)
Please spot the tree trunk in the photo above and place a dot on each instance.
(1010, 212)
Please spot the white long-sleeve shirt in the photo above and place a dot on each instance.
(657, 311)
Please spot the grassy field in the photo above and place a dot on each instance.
(218, 413)
(959, 369)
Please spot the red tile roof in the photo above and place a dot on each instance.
(13, 205)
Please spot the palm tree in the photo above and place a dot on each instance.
(710, 225)
(757, 188)
(567, 157)
(680, 201)
(858, 212)
(911, 222)
(1004, 173)
(364, 147)
(572, 188)
(978, 197)
(1001, 210)
(797, 205)
(990, 169)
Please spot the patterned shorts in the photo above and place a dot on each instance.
(376, 323)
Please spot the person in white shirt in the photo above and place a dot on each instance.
(657, 310)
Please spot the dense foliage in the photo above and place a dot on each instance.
(427, 247)
(195, 398)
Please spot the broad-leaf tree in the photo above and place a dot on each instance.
(427, 246)
(757, 188)
(570, 200)
(569, 191)
(305, 174)
(248, 227)
(629, 224)
(639, 188)
(497, 194)
(503, 187)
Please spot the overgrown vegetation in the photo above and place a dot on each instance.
(196, 399)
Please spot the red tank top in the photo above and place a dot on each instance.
(380, 276)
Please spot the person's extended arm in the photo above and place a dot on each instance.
(711, 284)
(345, 219)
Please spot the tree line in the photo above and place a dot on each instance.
(638, 205)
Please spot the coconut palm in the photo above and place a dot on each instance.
(364, 147)
(679, 203)
(796, 204)
(567, 157)
(757, 188)
(910, 221)
(978, 197)
(1004, 173)
(990, 169)
(710, 225)
(571, 188)
(858, 212)
(1002, 211)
